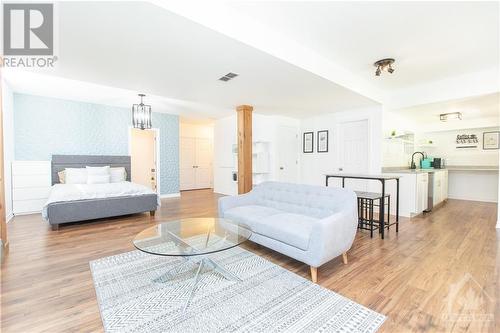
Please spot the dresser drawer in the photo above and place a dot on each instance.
(30, 193)
(20, 168)
(28, 206)
(26, 181)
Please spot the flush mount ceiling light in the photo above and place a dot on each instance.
(384, 65)
(141, 115)
(450, 116)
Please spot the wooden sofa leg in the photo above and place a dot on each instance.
(314, 274)
(54, 227)
(344, 258)
(152, 213)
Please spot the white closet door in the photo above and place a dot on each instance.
(195, 163)
(203, 163)
(353, 151)
(287, 154)
(187, 164)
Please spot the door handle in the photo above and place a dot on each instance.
(282, 168)
(341, 169)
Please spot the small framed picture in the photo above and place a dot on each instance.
(308, 142)
(323, 141)
(491, 140)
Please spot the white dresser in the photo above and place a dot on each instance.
(31, 182)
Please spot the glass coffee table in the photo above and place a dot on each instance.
(192, 240)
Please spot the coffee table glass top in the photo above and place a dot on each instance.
(191, 237)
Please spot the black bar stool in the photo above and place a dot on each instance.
(366, 203)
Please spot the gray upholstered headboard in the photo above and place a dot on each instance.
(61, 162)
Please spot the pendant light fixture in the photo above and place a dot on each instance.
(141, 115)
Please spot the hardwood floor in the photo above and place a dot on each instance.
(47, 286)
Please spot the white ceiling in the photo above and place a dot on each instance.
(294, 58)
(480, 111)
(139, 47)
(430, 40)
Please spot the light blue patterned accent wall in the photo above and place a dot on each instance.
(45, 126)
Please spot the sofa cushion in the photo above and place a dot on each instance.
(288, 228)
(250, 214)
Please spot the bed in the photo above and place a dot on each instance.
(69, 203)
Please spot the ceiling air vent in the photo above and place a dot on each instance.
(228, 77)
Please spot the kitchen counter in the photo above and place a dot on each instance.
(449, 168)
(472, 168)
(408, 170)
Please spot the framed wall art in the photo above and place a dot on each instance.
(323, 141)
(491, 140)
(308, 142)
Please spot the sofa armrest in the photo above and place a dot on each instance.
(332, 236)
(226, 203)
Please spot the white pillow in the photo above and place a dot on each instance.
(118, 174)
(75, 176)
(98, 171)
(98, 179)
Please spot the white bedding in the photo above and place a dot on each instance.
(71, 192)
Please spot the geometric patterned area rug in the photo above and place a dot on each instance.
(269, 299)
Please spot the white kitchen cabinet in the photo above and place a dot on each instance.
(437, 189)
(440, 188)
(444, 185)
(413, 190)
(422, 192)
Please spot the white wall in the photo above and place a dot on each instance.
(8, 143)
(465, 185)
(394, 153)
(315, 165)
(444, 145)
(190, 130)
(473, 185)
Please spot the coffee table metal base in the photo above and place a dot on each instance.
(202, 262)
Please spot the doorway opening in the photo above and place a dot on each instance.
(145, 157)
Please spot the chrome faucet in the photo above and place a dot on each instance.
(413, 166)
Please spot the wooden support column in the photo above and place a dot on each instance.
(244, 148)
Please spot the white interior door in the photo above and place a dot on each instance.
(195, 163)
(353, 151)
(143, 157)
(187, 168)
(203, 163)
(287, 154)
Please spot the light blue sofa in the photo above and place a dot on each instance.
(312, 224)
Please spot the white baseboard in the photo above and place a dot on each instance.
(498, 224)
(9, 217)
(28, 213)
(171, 195)
(472, 198)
